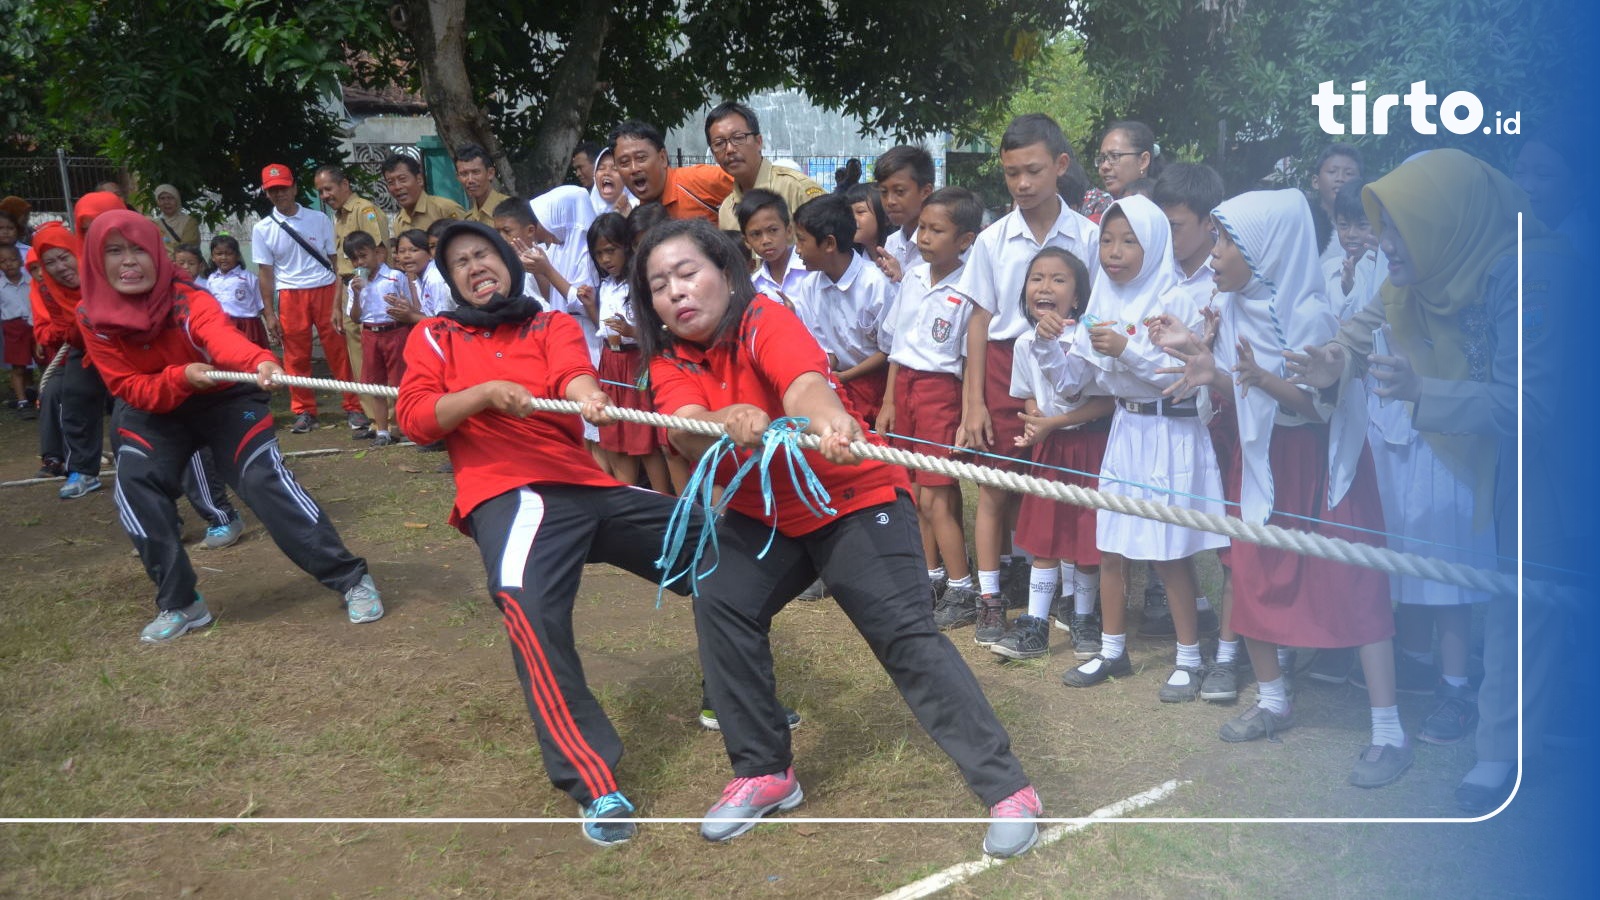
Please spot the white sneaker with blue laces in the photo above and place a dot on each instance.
(171, 624)
(363, 602)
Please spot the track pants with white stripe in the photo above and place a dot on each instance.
(154, 449)
(535, 541)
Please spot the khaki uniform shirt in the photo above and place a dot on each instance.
(429, 209)
(485, 213)
(795, 189)
(358, 214)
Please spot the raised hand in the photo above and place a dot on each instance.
(1318, 367)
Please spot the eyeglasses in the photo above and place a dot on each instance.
(1113, 156)
(737, 139)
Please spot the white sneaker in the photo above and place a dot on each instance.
(363, 602)
(172, 624)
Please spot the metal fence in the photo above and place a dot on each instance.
(52, 183)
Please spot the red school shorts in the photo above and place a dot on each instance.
(18, 334)
(383, 354)
(927, 407)
(1004, 410)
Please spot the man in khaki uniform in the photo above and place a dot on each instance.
(402, 175)
(475, 171)
(351, 213)
(735, 138)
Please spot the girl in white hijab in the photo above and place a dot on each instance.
(1302, 453)
(608, 193)
(1158, 449)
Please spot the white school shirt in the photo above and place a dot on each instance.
(380, 284)
(1369, 275)
(792, 277)
(845, 315)
(1028, 377)
(435, 291)
(237, 290)
(925, 329)
(903, 247)
(292, 267)
(612, 298)
(1200, 286)
(998, 264)
(14, 300)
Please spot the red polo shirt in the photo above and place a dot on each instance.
(492, 452)
(771, 350)
(149, 375)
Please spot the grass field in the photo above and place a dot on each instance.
(283, 709)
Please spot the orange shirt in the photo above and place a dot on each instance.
(695, 192)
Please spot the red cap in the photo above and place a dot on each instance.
(276, 175)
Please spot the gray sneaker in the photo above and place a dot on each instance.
(171, 624)
(363, 602)
(1015, 829)
(78, 485)
(219, 536)
(1255, 723)
(991, 620)
(1381, 764)
(303, 424)
(956, 607)
(1029, 639)
(1221, 684)
(1085, 636)
(750, 798)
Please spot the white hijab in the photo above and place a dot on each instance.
(563, 209)
(601, 207)
(1135, 301)
(1284, 306)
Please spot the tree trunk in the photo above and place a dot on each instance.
(437, 29)
(572, 91)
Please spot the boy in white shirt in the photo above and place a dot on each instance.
(16, 320)
(763, 218)
(905, 176)
(925, 333)
(1034, 155)
(383, 340)
(844, 301)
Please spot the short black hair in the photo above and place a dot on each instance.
(10, 248)
(1347, 202)
(903, 157)
(646, 216)
(334, 170)
(396, 160)
(1035, 128)
(437, 227)
(868, 193)
(470, 152)
(517, 209)
(639, 130)
(416, 236)
(963, 206)
(1339, 148)
(357, 241)
(1193, 185)
(722, 111)
(587, 148)
(612, 226)
(828, 216)
(756, 200)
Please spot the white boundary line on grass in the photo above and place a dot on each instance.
(960, 872)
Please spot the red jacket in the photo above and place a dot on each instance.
(150, 376)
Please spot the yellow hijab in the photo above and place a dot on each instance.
(1458, 217)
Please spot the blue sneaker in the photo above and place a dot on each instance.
(172, 624)
(600, 829)
(219, 536)
(78, 484)
(363, 602)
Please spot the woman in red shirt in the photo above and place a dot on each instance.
(152, 336)
(720, 353)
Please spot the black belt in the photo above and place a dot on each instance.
(1175, 409)
(380, 328)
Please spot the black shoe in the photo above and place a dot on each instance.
(1331, 666)
(956, 607)
(1453, 718)
(1157, 620)
(1475, 799)
(991, 620)
(1062, 610)
(1221, 683)
(1029, 639)
(1120, 667)
(52, 468)
(303, 424)
(1182, 693)
(357, 421)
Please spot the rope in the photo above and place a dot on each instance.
(1382, 559)
(55, 365)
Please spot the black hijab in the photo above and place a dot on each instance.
(502, 309)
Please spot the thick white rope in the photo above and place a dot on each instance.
(55, 365)
(1382, 559)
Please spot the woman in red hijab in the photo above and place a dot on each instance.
(153, 336)
(75, 400)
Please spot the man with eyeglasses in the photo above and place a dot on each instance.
(734, 135)
(687, 192)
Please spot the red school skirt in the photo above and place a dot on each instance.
(629, 438)
(252, 328)
(1301, 601)
(18, 334)
(1052, 530)
(1004, 410)
(866, 394)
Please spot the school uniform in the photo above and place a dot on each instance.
(484, 212)
(924, 333)
(844, 317)
(785, 288)
(161, 421)
(996, 267)
(433, 292)
(16, 320)
(238, 292)
(1046, 528)
(620, 366)
(903, 247)
(790, 184)
(539, 508)
(430, 208)
(383, 340)
(305, 291)
(869, 553)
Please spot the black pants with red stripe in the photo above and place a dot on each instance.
(535, 542)
(154, 449)
(871, 560)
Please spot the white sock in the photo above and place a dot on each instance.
(988, 582)
(1456, 680)
(936, 574)
(1286, 659)
(1227, 652)
(1189, 655)
(1041, 591)
(1386, 726)
(1005, 560)
(1069, 578)
(1201, 603)
(1113, 645)
(1273, 697)
(1424, 658)
(964, 582)
(383, 433)
(1489, 774)
(1085, 590)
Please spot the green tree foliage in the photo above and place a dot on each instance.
(1059, 85)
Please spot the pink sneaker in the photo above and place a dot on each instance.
(1019, 832)
(750, 798)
